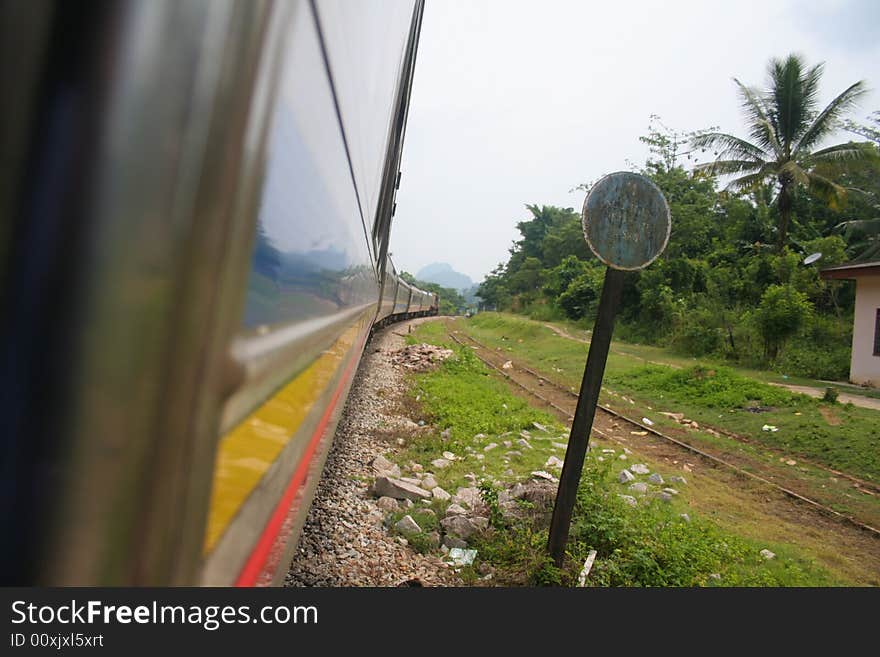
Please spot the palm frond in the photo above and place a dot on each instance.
(796, 172)
(793, 93)
(729, 146)
(854, 226)
(747, 182)
(830, 192)
(728, 167)
(834, 161)
(825, 122)
(760, 129)
(862, 237)
(851, 150)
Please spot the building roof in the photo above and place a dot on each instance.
(852, 270)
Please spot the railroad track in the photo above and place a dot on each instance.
(715, 460)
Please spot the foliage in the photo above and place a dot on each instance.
(704, 295)
(780, 315)
(785, 128)
(650, 545)
(715, 387)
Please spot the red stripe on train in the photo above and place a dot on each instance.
(253, 568)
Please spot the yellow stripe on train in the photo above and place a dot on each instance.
(248, 450)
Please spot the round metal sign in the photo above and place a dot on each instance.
(626, 221)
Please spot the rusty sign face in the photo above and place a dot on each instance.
(626, 220)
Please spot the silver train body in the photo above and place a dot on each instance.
(196, 213)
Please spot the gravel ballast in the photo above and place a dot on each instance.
(344, 541)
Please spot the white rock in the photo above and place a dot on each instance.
(629, 499)
(540, 427)
(767, 554)
(656, 478)
(441, 463)
(428, 482)
(440, 494)
(460, 526)
(553, 462)
(625, 476)
(639, 468)
(387, 504)
(384, 467)
(490, 447)
(541, 474)
(522, 442)
(455, 510)
(399, 490)
(675, 479)
(639, 487)
(684, 517)
(469, 496)
(407, 525)
(449, 456)
(671, 491)
(462, 557)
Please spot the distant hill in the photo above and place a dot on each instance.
(443, 274)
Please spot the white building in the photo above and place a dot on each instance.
(865, 366)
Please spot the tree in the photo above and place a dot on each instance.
(783, 311)
(493, 290)
(785, 128)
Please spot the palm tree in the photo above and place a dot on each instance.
(784, 128)
(862, 236)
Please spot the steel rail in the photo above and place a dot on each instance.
(788, 492)
(861, 483)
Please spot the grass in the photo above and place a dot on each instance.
(707, 393)
(647, 545)
(681, 385)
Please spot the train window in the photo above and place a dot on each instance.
(366, 50)
(310, 256)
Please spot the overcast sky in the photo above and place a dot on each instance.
(519, 102)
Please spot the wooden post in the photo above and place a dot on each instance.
(626, 224)
(582, 425)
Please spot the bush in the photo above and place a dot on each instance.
(815, 360)
(822, 352)
(651, 545)
(717, 387)
(698, 334)
(783, 311)
(582, 296)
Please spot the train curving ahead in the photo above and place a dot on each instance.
(196, 212)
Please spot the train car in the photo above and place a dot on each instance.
(196, 211)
